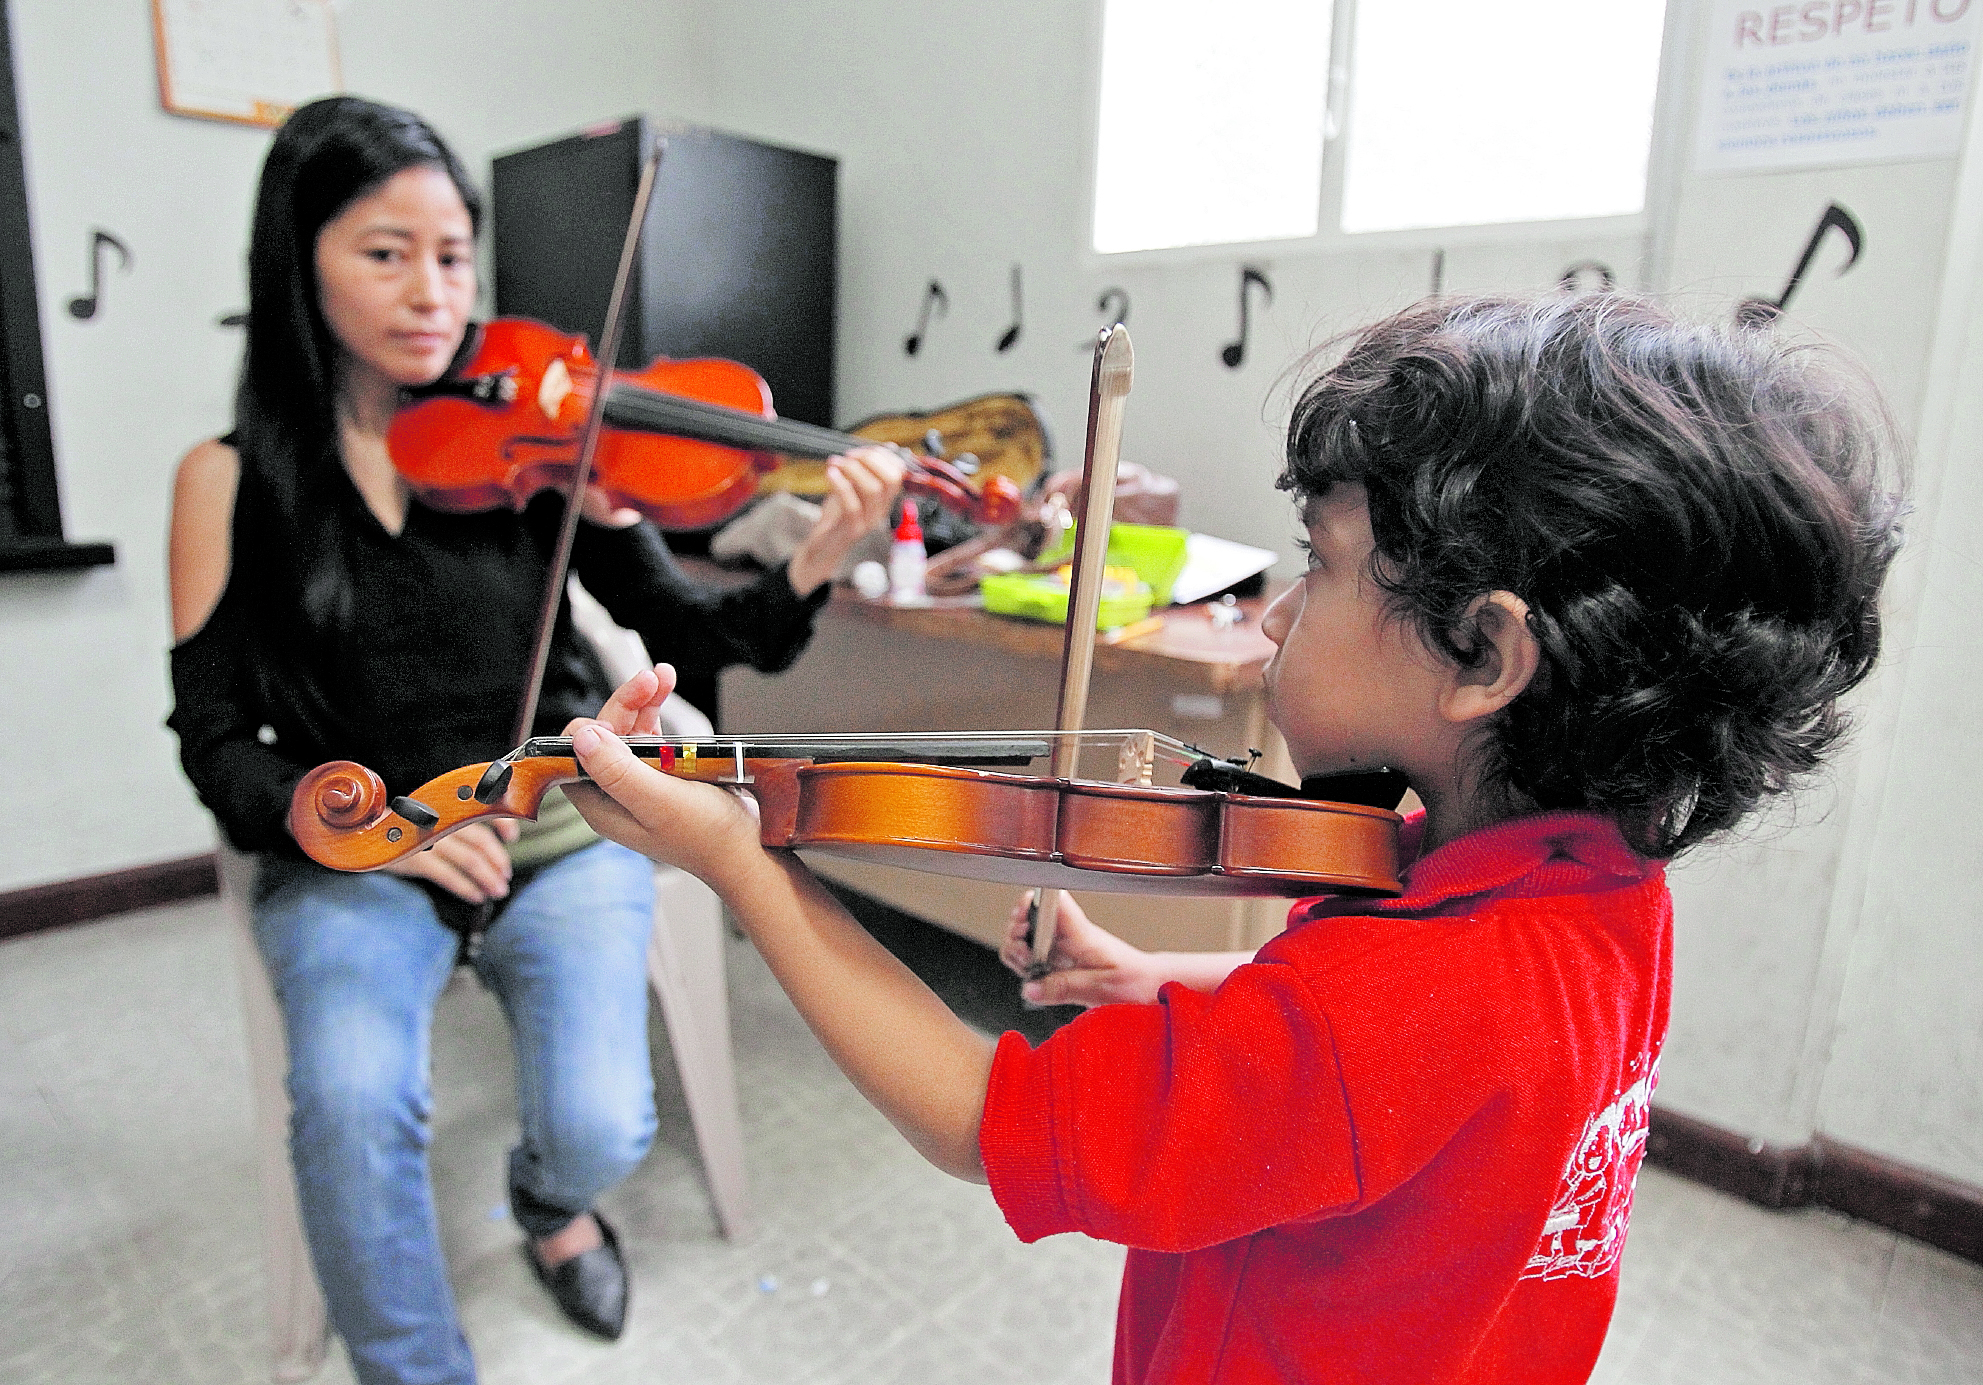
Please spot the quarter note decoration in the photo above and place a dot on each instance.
(83, 307)
(1438, 271)
(1011, 335)
(1235, 351)
(934, 299)
(1571, 280)
(1761, 312)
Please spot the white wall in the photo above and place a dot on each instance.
(1827, 974)
(84, 693)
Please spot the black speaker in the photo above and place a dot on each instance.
(738, 258)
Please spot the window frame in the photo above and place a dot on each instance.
(1666, 149)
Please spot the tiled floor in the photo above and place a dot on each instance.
(132, 1254)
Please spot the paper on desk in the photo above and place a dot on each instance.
(1212, 565)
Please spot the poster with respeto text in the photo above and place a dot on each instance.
(1834, 82)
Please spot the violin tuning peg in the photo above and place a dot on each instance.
(494, 781)
(415, 812)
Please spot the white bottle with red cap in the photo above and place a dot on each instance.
(908, 560)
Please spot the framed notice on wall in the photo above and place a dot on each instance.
(1834, 82)
(252, 61)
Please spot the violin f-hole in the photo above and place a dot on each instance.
(1234, 353)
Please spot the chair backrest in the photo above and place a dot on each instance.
(624, 654)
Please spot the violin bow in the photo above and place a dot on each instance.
(595, 417)
(1108, 394)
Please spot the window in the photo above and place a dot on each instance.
(1207, 135)
(1216, 129)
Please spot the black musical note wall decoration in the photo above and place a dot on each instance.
(934, 300)
(84, 306)
(1761, 312)
(1113, 305)
(1234, 353)
(1438, 271)
(1571, 280)
(237, 318)
(1010, 338)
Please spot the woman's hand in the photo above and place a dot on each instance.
(471, 864)
(698, 827)
(860, 489)
(596, 508)
(1091, 966)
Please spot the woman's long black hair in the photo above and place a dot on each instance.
(326, 156)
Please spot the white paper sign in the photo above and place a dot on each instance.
(1834, 81)
(252, 61)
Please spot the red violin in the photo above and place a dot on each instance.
(684, 441)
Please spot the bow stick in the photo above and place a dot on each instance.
(595, 418)
(1108, 393)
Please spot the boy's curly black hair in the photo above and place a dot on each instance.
(1698, 519)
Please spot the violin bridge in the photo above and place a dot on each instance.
(1136, 759)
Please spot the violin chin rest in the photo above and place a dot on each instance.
(1376, 788)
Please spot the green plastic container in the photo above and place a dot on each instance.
(1154, 550)
(1042, 596)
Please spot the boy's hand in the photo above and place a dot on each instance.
(1091, 966)
(697, 827)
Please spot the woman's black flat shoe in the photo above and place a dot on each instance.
(591, 1286)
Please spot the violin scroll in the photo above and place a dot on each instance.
(344, 794)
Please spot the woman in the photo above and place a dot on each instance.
(322, 612)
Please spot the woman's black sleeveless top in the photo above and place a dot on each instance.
(423, 671)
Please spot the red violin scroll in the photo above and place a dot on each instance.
(684, 441)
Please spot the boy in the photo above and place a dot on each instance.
(1594, 581)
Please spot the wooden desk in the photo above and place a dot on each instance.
(951, 667)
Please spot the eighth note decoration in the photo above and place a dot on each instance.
(84, 306)
(1234, 353)
(1761, 312)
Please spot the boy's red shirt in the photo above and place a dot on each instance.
(1399, 1145)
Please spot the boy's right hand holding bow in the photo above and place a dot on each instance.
(1092, 966)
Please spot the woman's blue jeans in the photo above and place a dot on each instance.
(357, 962)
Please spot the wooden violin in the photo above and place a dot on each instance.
(927, 802)
(684, 442)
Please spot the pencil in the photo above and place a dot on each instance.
(1133, 631)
